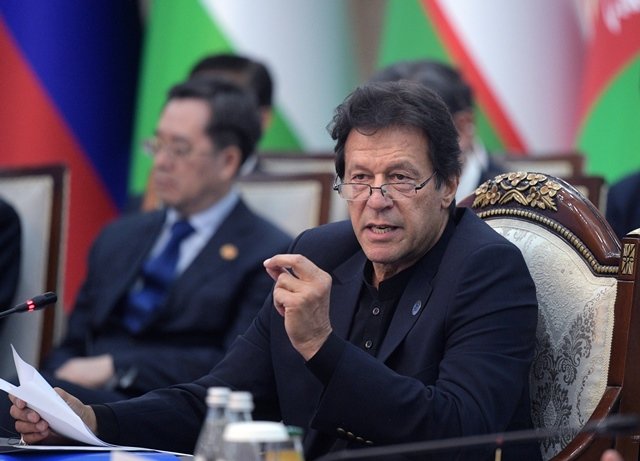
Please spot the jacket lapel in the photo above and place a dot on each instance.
(226, 242)
(414, 300)
(347, 281)
(142, 241)
(409, 309)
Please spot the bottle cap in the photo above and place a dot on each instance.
(255, 431)
(218, 396)
(240, 401)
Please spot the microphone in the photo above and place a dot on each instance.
(613, 425)
(33, 304)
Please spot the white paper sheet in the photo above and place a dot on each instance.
(41, 397)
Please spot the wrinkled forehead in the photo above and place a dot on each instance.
(395, 145)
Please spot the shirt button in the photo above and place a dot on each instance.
(375, 311)
(368, 343)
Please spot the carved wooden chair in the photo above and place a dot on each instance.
(588, 337)
(593, 187)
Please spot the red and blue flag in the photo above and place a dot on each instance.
(68, 76)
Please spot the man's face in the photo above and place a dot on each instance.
(395, 234)
(198, 178)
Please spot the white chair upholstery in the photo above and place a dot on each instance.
(37, 195)
(294, 202)
(281, 163)
(569, 372)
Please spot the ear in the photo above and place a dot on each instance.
(464, 121)
(266, 115)
(466, 126)
(448, 190)
(230, 159)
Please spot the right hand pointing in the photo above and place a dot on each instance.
(34, 429)
(301, 295)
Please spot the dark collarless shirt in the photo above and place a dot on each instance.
(376, 307)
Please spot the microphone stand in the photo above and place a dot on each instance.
(615, 424)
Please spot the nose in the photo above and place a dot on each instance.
(378, 199)
(163, 157)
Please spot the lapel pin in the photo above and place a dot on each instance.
(416, 307)
(229, 252)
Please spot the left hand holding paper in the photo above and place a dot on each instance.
(41, 397)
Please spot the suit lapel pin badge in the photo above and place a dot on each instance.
(416, 308)
(228, 251)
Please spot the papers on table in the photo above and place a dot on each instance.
(41, 397)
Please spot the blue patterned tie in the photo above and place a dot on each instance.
(157, 274)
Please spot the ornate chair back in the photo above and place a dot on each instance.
(587, 296)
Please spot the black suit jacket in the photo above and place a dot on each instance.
(457, 364)
(623, 206)
(210, 304)
(10, 254)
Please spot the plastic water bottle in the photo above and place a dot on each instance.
(209, 445)
(239, 407)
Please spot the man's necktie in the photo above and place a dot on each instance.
(157, 274)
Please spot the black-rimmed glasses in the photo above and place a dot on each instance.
(153, 146)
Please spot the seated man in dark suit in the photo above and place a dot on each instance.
(414, 321)
(10, 254)
(154, 311)
(623, 207)
(477, 164)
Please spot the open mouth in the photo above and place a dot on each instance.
(381, 229)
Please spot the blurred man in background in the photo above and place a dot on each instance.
(247, 73)
(448, 83)
(623, 206)
(168, 291)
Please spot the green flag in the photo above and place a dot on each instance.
(179, 33)
(609, 124)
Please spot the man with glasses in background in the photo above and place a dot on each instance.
(247, 73)
(168, 291)
(414, 321)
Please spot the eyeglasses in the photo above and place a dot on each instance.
(357, 192)
(153, 146)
